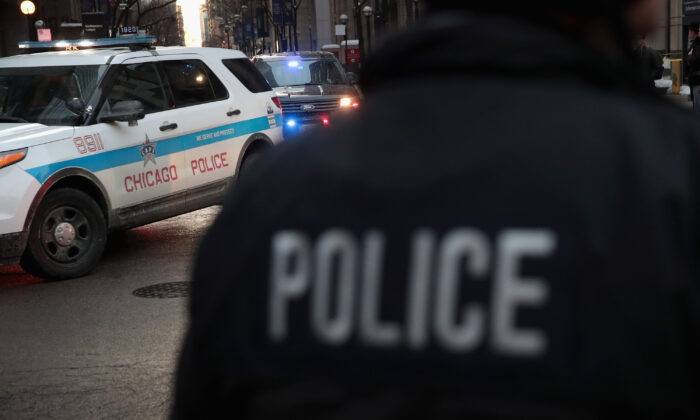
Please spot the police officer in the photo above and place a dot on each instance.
(693, 64)
(650, 60)
(491, 236)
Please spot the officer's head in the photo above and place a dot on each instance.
(637, 16)
(694, 30)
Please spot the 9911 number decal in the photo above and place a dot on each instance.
(89, 143)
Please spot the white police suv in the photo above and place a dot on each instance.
(104, 139)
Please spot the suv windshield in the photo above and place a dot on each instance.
(298, 71)
(46, 95)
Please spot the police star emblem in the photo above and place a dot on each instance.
(148, 151)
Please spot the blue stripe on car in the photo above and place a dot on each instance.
(120, 157)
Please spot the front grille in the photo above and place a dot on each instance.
(320, 105)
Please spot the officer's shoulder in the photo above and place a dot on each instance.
(294, 168)
(634, 110)
(298, 158)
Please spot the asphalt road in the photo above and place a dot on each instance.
(90, 348)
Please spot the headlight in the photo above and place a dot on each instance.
(13, 156)
(349, 103)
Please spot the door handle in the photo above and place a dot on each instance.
(168, 127)
(234, 112)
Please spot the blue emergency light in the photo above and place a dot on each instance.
(76, 44)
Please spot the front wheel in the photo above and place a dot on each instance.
(249, 160)
(67, 236)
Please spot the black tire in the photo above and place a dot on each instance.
(67, 236)
(249, 160)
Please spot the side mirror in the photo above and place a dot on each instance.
(76, 106)
(351, 78)
(129, 111)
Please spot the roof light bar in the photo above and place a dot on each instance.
(76, 44)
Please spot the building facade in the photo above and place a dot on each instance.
(254, 26)
(16, 26)
(74, 19)
(227, 23)
(369, 20)
(671, 35)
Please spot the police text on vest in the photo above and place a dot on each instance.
(341, 275)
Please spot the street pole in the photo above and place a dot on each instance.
(246, 40)
(378, 16)
(367, 11)
(286, 32)
(668, 27)
(27, 9)
(344, 21)
(369, 34)
(346, 50)
(359, 30)
(296, 31)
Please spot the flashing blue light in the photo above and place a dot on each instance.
(293, 64)
(90, 43)
(291, 123)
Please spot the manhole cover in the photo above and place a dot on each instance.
(164, 290)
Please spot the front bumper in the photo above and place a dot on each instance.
(12, 246)
(304, 122)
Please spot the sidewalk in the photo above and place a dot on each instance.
(682, 100)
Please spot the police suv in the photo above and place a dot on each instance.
(119, 135)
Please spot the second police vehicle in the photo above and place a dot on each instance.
(109, 138)
(313, 88)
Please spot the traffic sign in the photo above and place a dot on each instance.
(352, 55)
(691, 7)
(43, 34)
(128, 31)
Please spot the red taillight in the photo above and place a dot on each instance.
(355, 105)
(326, 121)
(277, 102)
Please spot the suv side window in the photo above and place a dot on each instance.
(192, 83)
(247, 74)
(3, 98)
(139, 82)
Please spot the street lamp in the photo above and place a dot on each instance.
(367, 11)
(344, 21)
(358, 27)
(27, 7)
(311, 39)
(378, 17)
(235, 23)
(227, 29)
(244, 8)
